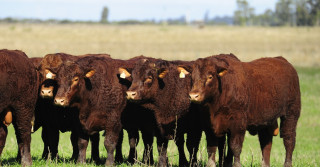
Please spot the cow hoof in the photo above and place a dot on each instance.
(287, 164)
(108, 163)
(26, 163)
(81, 161)
(211, 163)
(119, 159)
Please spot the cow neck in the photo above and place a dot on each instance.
(82, 103)
(168, 105)
(214, 102)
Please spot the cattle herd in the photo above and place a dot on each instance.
(218, 95)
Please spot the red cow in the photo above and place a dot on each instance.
(18, 96)
(249, 96)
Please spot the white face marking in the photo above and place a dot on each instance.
(182, 75)
(49, 76)
(123, 75)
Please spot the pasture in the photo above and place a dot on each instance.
(300, 46)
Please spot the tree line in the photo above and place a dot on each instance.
(286, 13)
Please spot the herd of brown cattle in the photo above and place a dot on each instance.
(218, 95)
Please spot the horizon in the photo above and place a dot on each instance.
(141, 10)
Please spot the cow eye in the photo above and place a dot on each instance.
(76, 79)
(149, 79)
(210, 77)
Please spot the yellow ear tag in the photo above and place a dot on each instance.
(182, 75)
(49, 75)
(123, 75)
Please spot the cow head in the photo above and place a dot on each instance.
(146, 79)
(71, 80)
(48, 85)
(48, 88)
(206, 78)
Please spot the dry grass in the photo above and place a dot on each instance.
(301, 46)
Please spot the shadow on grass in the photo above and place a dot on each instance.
(12, 161)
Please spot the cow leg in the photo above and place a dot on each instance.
(133, 135)
(229, 159)
(265, 138)
(53, 137)
(162, 145)
(236, 141)
(288, 133)
(22, 126)
(44, 137)
(212, 143)
(147, 138)
(221, 148)
(193, 141)
(119, 157)
(3, 136)
(74, 141)
(180, 144)
(95, 147)
(111, 138)
(82, 145)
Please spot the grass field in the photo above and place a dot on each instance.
(301, 46)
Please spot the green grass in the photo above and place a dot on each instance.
(306, 152)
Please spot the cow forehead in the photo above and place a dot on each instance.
(71, 70)
(204, 66)
(143, 70)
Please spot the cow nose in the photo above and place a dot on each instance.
(131, 94)
(60, 101)
(46, 93)
(194, 96)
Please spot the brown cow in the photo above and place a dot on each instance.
(54, 118)
(36, 61)
(249, 96)
(18, 78)
(92, 85)
(156, 88)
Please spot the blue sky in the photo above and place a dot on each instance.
(124, 9)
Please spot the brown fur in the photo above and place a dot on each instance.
(18, 78)
(36, 61)
(54, 118)
(250, 96)
(158, 89)
(100, 98)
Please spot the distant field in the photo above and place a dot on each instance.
(301, 46)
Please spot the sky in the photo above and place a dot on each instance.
(85, 10)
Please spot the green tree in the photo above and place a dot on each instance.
(104, 15)
(266, 19)
(303, 13)
(244, 14)
(284, 12)
(314, 11)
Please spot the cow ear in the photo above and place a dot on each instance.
(90, 73)
(222, 72)
(182, 72)
(124, 73)
(49, 74)
(162, 73)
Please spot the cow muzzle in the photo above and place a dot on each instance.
(131, 95)
(60, 101)
(195, 97)
(46, 92)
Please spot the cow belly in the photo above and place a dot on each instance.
(94, 124)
